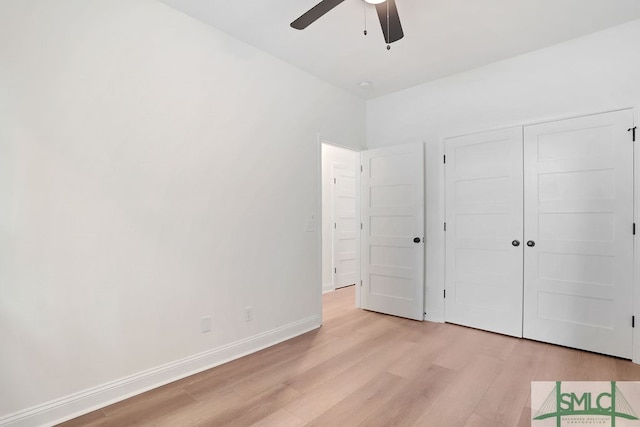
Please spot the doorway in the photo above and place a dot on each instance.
(373, 226)
(340, 217)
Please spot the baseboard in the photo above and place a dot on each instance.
(327, 287)
(433, 319)
(433, 315)
(77, 404)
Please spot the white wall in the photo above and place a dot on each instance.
(152, 171)
(331, 155)
(587, 75)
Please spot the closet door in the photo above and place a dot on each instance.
(484, 231)
(578, 233)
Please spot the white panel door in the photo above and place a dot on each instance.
(393, 230)
(345, 226)
(484, 231)
(578, 227)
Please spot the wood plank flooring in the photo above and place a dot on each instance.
(368, 369)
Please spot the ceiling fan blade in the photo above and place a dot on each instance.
(314, 14)
(392, 32)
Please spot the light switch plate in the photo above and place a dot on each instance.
(205, 324)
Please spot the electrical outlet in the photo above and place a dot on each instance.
(248, 314)
(205, 324)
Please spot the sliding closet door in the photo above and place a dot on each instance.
(578, 233)
(484, 231)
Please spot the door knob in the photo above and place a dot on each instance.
(416, 240)
(531, 243)
(516, 243)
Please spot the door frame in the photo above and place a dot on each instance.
(321, 142)
(636, 247)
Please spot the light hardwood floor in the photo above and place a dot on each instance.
(364, 368)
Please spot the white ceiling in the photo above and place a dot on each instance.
(442, 37)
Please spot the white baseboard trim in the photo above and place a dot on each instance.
(434, 319)
(77, 404)
(327, 287)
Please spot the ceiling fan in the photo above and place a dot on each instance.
(387, 14)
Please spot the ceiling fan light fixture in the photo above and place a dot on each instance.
(385, 9)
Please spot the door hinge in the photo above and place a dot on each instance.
(633, 321)
(633, 133)
(334, 180)
(361, 169)
(444, 159)
(634, 228)
(445, 226)
(335, 270)
(361, 226)
(335, 226)
(444, 293)
(360, 282)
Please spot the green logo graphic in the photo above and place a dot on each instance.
(611, 404)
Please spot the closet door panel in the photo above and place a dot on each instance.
(483, 219)
(578, 270)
